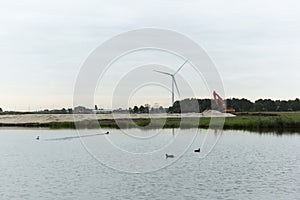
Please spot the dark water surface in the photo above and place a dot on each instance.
(242, 165)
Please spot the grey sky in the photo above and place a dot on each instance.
(254, 44)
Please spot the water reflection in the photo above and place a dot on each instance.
(209, 142)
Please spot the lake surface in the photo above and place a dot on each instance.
(242, 165)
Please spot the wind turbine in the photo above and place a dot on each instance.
(173, 80)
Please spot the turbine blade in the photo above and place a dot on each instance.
(181, 67)
(163, 72)
(176, 85)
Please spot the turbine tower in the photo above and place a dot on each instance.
(173, 80)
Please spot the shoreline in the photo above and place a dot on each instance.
(278, 123)
(47, 118)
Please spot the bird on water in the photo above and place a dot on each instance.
(169, 156)
(197, 150)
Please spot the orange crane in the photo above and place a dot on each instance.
(218, 100)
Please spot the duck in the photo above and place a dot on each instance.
(37, 138)
(107, 133)
(169, 156)
(197, 150)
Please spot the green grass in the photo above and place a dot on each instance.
(287, 122)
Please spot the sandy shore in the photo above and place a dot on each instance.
(45, 118)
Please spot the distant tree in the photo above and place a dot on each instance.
(175, 108)
(161, 109)
(189, 105)
(270, 105)
(204, 104)
(240, 105)
(295, 105)
(1, 110)
(258, 105)
(135, 109)
(171, 109)
(147, 108)
(142, 109)
(96, 107)
(282, 105)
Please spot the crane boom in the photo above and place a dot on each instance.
(218, 99)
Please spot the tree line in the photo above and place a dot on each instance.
(147, 109)
(240, 105)
(200, 105)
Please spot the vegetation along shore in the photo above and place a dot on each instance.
(261, 122)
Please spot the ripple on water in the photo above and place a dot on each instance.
(242, 166)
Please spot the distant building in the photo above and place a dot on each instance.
(102, 111)
(82, 110)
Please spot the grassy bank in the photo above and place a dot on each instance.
(282, 122)
(277, 123)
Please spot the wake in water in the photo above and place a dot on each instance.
(75, 137)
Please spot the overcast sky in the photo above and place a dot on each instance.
(254, 44)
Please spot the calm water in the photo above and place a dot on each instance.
(241, 166)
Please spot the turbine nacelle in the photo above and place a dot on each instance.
(173, 79)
